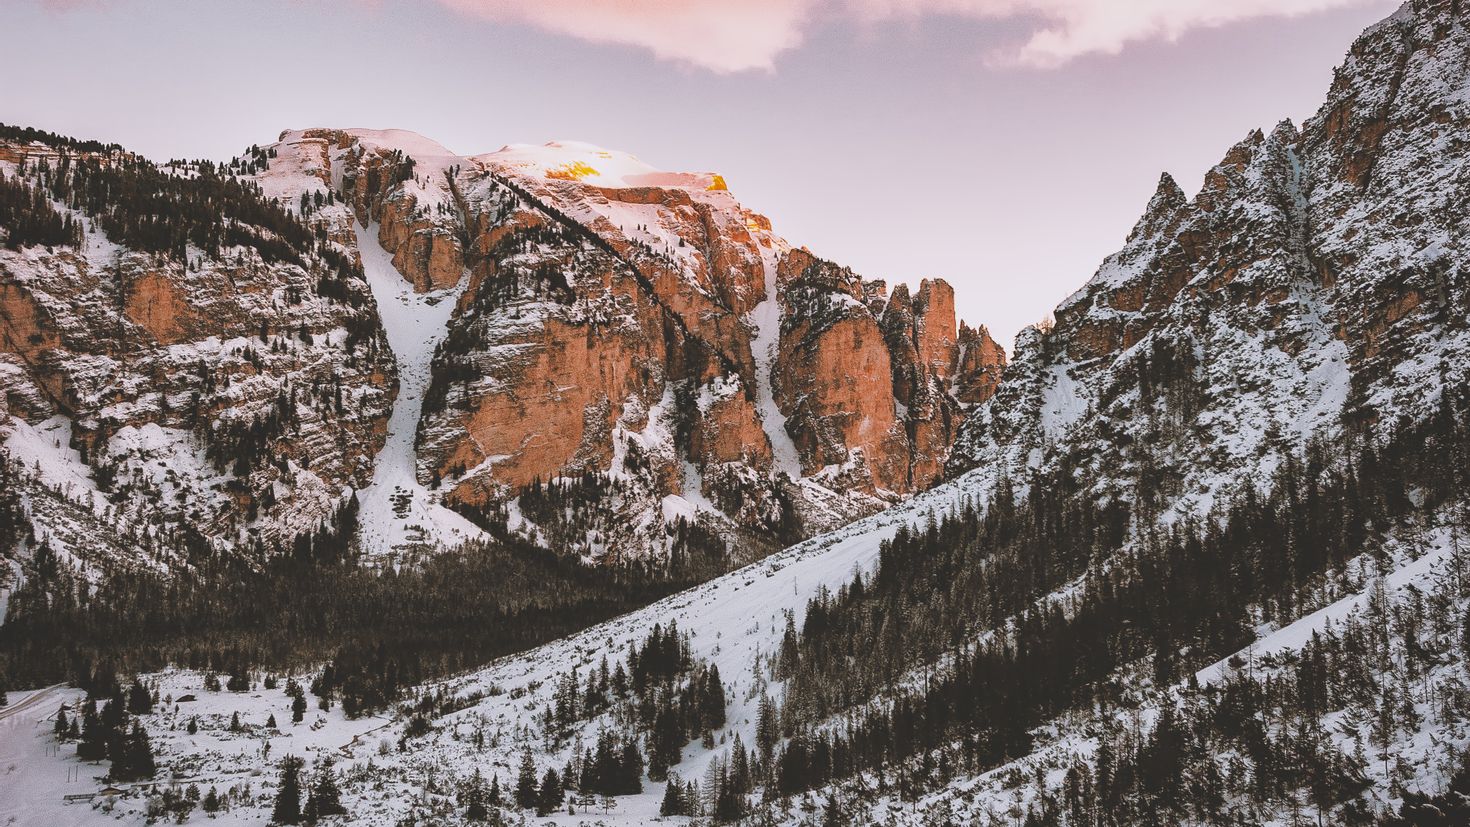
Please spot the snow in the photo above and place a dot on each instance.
(655, 438)
(415, 324)
(1063, 403)
(37, 774)
(46, 448)
(731, 622)
(693, 490)
(590, 164)
(1418, 573)
(33, 778)
(172, 460)
(766, 319)
(412, 144)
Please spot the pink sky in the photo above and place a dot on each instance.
(1005, 145)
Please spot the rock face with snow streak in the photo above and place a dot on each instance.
(644, 327)
(544, 313)
(139, 376)
(1318, 280)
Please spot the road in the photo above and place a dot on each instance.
(31, 701)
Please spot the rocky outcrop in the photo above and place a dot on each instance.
(979, 364)
(1315, 284)
(221, 400)
(835, 376)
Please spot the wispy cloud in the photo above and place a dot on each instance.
(722, 35)
(740, 35)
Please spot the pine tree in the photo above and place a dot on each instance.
(832, 815)
(551, 795)
(140, 753)
(287, 809)
(712, 700)
(132, 755)
(526, 783)
(325, 798)
(93, 744)
(767, 729)
(673, 803)
(474, 800)
(140, 701)
(630, 770)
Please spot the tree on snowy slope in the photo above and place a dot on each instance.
(526, 789)
(287, 808)
(551, 794)
(325, 799)
(132, 756)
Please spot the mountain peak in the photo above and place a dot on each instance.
(406, 141)
(596, 166)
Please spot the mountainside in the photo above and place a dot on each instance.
(1226, 486)
(377, 340)
(1200, 556)
(1314, 285)
(1201, 559)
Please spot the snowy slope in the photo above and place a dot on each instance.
(733, 622)
(766, 320)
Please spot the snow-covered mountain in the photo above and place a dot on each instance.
(558, 342)
(1313, 292)
(1199, 559)
(1313, 285)
(1312, 300)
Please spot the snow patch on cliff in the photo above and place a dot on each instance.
(764, 346)
(395, 508)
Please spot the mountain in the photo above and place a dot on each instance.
(1199, 555)
(1200, 558)
(1314, 285)
(361, 337)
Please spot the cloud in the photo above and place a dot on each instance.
(739, 35)
(721, 35)
(1069, 29)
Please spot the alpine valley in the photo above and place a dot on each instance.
(358, 481)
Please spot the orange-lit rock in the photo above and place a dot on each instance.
(155, 304)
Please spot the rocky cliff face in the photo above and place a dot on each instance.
(560, 342)
(1315, 284)
(186, 399)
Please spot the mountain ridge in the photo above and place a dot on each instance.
(1197, 559)
(667, 281)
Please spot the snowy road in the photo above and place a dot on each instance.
(31, 701)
